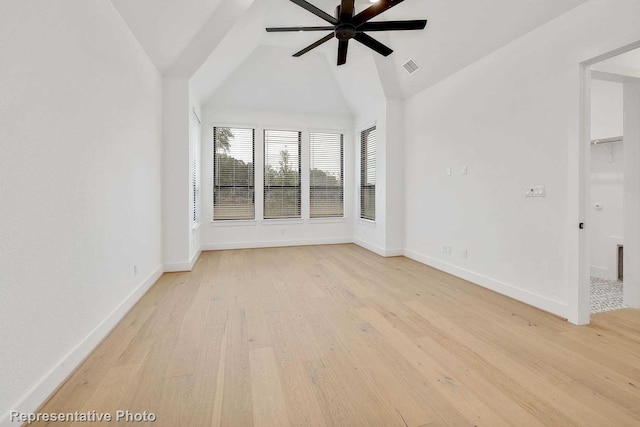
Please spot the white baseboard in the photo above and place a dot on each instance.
(368, 246)
(601, 272)
(378, 250)
(39, 393)
(180, 267)
(393, 252)
(535, 300)
(275, 244)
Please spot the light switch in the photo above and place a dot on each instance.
(464, 170)
(535, 191)
(448, 171)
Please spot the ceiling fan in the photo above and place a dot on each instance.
(346, 26)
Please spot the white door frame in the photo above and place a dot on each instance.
(580, 301)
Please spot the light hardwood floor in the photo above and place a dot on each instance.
(337, 336)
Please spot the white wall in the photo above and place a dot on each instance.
(385, 235)
(262, 233)
(607, 179)
(80, 158)
(195, 133)
(632, 193)
(176, 212)
(513, 119)
(372, 234)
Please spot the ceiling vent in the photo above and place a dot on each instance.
(411, 66)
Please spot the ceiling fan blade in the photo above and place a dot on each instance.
(393, 25)
(318, 12)
(374, 44)
(374, 11)
(343, 47)
(346, 10)
(314, 45)
(293, 29)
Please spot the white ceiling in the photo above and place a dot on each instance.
(164, 28)
(459, 33)
(304, 86)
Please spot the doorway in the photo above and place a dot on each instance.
(606, 228)
(610, 165)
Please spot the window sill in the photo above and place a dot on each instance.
(281, 221)
(327, 220)
(234, 223)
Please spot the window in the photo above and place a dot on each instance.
(195, 169)
(281, 174)
(233, 173)
(326, 175)
(368, 174)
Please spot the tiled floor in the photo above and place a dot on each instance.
(606, 295)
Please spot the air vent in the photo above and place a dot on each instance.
(411, 66)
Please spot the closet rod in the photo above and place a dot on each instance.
(606, 140)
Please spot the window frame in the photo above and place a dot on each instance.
(196, 170)
(215, 220)
(364, 172)
(264, 174)
(342, 174)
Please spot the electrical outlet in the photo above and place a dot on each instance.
(448, 171)
(464, 254)
(449, 250)
(444, 249)
(465, 170)
(135, 270)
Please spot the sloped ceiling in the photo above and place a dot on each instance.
(270, 79)
(459, 33)
(164, 28)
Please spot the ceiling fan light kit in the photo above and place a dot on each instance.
(347, 25)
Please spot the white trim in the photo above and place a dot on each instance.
(179, 267)
(393, 252)
(579, 307)
(328, 220)
(530, 298)
(602, 272)
(275, 244)
(233, 223)
(370, 247)
(49, 383)
(283, 221)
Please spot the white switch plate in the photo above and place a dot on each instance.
(464, 170)
(535, 191)
(448, 171)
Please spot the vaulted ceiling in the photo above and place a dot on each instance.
(459, 33)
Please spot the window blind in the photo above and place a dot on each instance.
(282, 174)
(195, 170)
(233, 173)
(326, 175)
(368, 174)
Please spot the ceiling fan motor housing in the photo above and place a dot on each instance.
(345, 31)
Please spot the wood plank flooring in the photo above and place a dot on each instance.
(337, 336)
